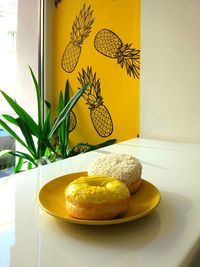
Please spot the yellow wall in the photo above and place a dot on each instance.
(120, 91)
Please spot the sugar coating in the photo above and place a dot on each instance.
(125, 168)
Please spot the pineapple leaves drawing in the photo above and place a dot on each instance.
(109, 44)
(81, 29)
(57, 2)
(99, 114)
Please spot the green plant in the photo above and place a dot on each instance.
(39, 138)
(62, 135)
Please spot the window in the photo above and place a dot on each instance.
(8, 32)
(19, 49)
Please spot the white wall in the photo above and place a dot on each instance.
(170, 70)
(27, 53)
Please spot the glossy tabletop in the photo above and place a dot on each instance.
(168, 237)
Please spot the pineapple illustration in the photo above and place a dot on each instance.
(99, 114)
(72, 121)
(109, 44)
(80, 148)
(57, 2)
(81, 29)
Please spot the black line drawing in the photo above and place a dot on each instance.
(57, 2)
(81, 29)
(109, 44)
(99, 114)
(72, 121)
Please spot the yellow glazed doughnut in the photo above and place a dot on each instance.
(96, 198)
(125, 168)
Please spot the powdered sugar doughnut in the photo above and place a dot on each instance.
(125, 168)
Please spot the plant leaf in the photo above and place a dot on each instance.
(67, 109)
(30, 165)
(22, 114)
(12, 133)
(24, 156)
(4, 152)
(43, 141)
(66, 96)
(47, 124)
(60, 103)
(100, 145)
(67, 124)
(89, 147)
(61, 130)
(39, 103)
(10, 119)
(18, 167)
(27, 135)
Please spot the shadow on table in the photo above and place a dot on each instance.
(136, 234)
(130, 235)
(158, 231)
(81, 245)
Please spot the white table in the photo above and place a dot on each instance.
(169, 236)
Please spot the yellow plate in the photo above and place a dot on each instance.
(52, 199)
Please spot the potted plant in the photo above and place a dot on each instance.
(39, 138)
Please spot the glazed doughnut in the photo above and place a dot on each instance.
(125, 168)
(96, 198)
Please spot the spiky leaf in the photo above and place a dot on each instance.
(62, 116)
